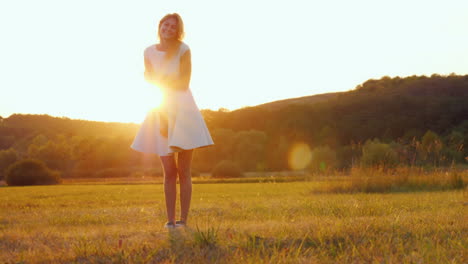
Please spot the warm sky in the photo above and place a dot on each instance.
(84, 59)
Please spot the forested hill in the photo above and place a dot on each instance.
(311, 99)
(388, 108)
(421, 120)
(18, 129)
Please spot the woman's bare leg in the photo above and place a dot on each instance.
(163, 125)
(184, 162)
(170, 187)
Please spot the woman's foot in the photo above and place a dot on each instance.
(170, 225)
(180, 223)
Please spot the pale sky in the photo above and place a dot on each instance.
(84, 59)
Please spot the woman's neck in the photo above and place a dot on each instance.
(166, 44)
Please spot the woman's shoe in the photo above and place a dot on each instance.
(180, 223)
(169, 225)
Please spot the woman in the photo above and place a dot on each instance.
(176, 127)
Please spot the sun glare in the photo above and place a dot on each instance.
(149, 98)
(299, 156)
(154, 99)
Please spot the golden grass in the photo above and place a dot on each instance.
(231, 223)
(380, 180)
(251, 178)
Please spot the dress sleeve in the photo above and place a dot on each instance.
(183, 48)
(145, 53)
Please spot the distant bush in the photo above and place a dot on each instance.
(456, 180)
(375, 153)
(31, 172)
(430, 149)
(111, 173)
(323, 159)
(195, 173)
(226, 169)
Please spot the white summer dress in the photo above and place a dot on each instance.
(186, 127)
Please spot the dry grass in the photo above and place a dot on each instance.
(249, 178)
(231, 223)
(380, 180)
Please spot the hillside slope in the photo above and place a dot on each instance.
(311, 99)
(387, 108)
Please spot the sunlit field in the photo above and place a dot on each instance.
(283, 222)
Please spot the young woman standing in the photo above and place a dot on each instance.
(177, 127)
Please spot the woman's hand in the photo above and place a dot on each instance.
(180, 82)
(150, 75)
(164, 81)
(168, 82)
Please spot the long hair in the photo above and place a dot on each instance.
(180, 25)
(180, 34)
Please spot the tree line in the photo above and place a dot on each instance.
(412, 121)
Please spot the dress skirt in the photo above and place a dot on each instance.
(186, 127)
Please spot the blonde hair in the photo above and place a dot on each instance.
(180, 25)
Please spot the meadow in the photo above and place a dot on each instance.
(267, 222)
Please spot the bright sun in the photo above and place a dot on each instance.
(149, 97)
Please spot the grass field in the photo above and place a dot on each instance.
(231, 223)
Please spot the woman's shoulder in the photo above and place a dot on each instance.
(183, 47)
(150, 49)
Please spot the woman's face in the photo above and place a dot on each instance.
(168, 28)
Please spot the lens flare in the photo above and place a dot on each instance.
(154, 98)
(146, 98)
(299, 156)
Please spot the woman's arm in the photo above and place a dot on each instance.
(149, 73)
(185, 71)
(181, 82)
(170, 82)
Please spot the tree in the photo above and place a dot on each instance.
(348, 156)
(453, 150)
(375, 153)
(431, 147)
(55, 155)
(323, 159)
(249, 150)
(7, 157)
(227, 169)
(206, 158)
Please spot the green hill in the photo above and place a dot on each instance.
(389, 108)
(418, 119)
(312, 99)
